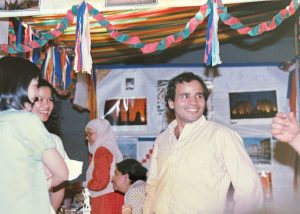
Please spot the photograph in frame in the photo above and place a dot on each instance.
(259, 149)
(129, 2)
(19, 5)
(126, 111)
(129, 84)
(253, 104)
(161, 93)
(128, 147)
(266, 181)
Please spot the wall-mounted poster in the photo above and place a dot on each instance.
(129, 83)
(161, 93)
(130, 113)
(17, 5)
(128, 147)
(129, 2)
(266, 181)
(259, 149)
(253, 104)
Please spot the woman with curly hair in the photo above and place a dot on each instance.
(45, 107)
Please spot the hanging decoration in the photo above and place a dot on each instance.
(165, 43)
(57, 70)
(13, 47)
(235, 24)
(212, 53)
(83, 59)
(92, 96)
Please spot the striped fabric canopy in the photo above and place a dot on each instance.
(152, 25)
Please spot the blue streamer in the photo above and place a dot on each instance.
(57, 67)
(19, 37)
(68, 72)
(36, 55)
(79, 26)
(209, 29)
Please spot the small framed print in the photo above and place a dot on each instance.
(259, 149)
(128, 2)
(266, 181)
(253, 104)
(129, 83)
(126, 111)
(128, 147)
(15, 5)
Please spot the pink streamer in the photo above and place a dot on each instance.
(193, 25)
(150, 48)
(244, 30)
(133, 40)
(169, 40)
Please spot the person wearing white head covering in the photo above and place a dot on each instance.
(102, 145)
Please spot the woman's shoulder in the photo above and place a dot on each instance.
(103, 152)
(102, 149)
(19, 116)
(137, 188)
(136, 194)
(56, 138)
(59, 145)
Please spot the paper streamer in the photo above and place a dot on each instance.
(83, 59)
(235, 24)
(165, 43)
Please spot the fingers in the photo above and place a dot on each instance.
(282, 115)
(281, 119)
(292, 117)
(279, 124)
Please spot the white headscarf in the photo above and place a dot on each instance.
(104, 138)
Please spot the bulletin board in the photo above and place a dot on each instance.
(244, 98)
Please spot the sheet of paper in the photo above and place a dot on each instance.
(74, 167)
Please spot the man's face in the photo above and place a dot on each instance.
(189, 103)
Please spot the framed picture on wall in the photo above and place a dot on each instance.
(252, 107)
(129, 84)
(15, 5)
(266, 181)
(128, 147)
(259, 149)
(128, 2)
(253, 104)
(126, 114)
(161, 93)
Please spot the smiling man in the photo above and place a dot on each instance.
(194, 161)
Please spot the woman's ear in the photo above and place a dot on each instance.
(127, 179)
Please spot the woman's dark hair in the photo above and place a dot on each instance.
(133, 168)
(15, 76)
(183, 77)
(53, 123)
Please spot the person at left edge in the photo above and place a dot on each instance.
(25, 144)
